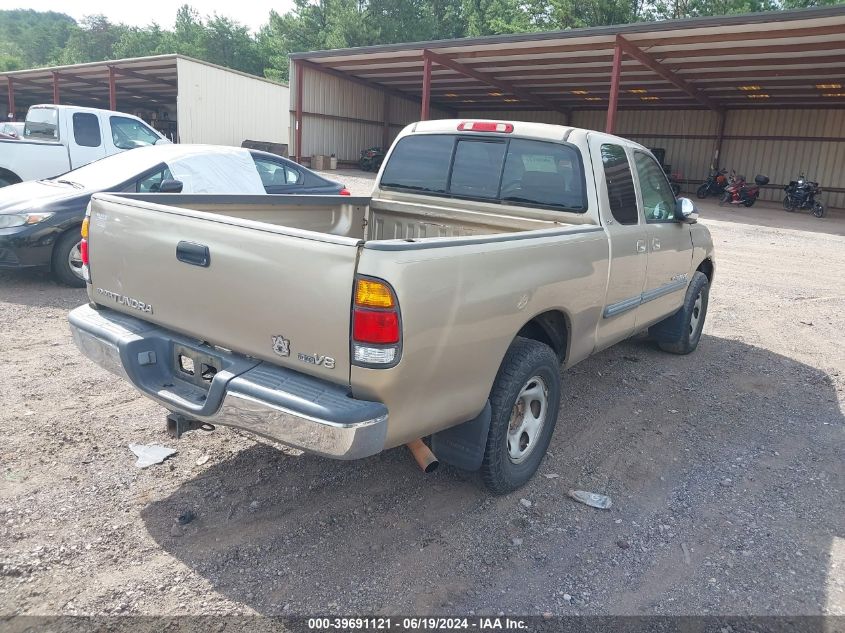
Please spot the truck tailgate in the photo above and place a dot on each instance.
(275, 293)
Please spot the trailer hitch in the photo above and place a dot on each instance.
(178, 424)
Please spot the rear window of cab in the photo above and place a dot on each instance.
(492, 169)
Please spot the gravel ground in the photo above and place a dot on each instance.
(725, 469)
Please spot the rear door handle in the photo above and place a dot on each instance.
(641, 247)
(194, 254)
(655, 244)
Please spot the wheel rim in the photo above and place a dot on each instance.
(74, 261)
(695, 316)
(527, 419)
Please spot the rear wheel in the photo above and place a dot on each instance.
(750, 202)
(524, 403)
(725, 199)
(818, 210)
(702, 191)
(681, 332)
(67, 260)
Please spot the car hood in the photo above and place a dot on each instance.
(33, 195)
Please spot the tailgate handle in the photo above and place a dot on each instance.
(194, 254)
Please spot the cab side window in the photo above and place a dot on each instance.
(620, 184)
(658, 199)
(86, 129)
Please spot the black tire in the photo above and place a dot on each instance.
(818, 210)
(787, 204)
(725, 199)
(750, 202)
(677, 334)
(61, 267)
(702, 191)
(525, 360)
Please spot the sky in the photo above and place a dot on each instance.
(252, 13)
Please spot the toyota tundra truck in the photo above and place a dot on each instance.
(490, 255)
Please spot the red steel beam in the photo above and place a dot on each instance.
(615, 76)
(11, 84)
(385, 130)
(298, 114)
(426, 88)
(56, 95)
(717, 153)
(112, 90)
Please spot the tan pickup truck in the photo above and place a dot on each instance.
(490, 255)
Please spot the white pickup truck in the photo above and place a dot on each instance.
(58, 138)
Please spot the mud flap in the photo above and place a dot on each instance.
(463, 445)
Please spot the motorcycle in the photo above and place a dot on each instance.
(371, 159)
(740, 192)
(714, 185)
(801, 194)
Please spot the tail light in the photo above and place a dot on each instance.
(376, 324)
(344, 192)
(83, 249)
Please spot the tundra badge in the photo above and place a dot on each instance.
(281, 345)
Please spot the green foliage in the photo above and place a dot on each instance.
(30, 38)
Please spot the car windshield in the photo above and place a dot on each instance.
(112, 170)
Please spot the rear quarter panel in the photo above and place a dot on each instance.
(462, 306)
(33, 160)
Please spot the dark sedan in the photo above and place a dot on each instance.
(40, 220)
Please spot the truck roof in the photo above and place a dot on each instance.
(543, 131)
(80, 109)
(520, 128)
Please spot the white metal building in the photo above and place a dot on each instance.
(760, 93)
(189, 100)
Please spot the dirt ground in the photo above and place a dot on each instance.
(725, 468)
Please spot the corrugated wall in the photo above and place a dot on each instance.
(226, 108)
(689, 138)
(342, 117)
(784, 160)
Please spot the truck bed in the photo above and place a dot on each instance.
(360, 217)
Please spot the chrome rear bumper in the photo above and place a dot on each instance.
(271, 401)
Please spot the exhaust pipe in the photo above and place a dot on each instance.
(422, 453)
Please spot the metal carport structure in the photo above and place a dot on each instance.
(731, 90)
(191, 100)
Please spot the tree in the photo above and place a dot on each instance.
(94, 40)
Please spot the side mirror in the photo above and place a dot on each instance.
(685, 211)
(170, 186)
